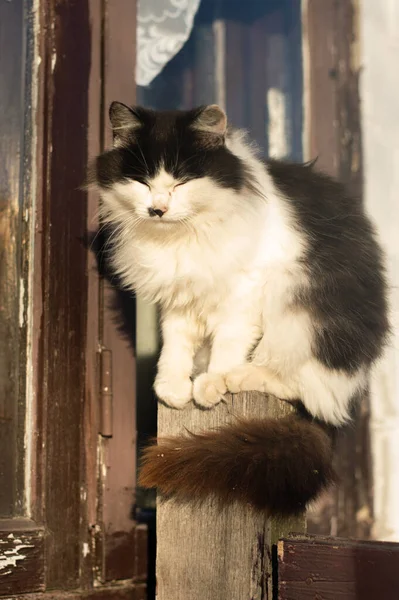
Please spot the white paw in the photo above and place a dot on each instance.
(173, 391)
(209, 389)
(244, 379)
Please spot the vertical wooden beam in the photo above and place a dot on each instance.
(60, 282)
(12, 280)
(206, 554)
(332, 111)
(122, 550)
(89, 453)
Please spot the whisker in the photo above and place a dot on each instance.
(142, 154)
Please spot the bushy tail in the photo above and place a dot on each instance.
(275, 465)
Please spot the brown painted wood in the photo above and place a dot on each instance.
(63, 278)
(21, 557)
(100, 531)
(123, 544)
(337, 569)
(39, 157)
(64, 477)
(89, 449)
(22, 543)
(320, 46)
(113, 592)
(66, 130)
(331, 40)
(204, 554)
(332, 87)
(126, 554)
(13, 282)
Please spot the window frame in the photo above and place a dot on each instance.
(78, 54)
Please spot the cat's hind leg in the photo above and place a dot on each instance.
(251, 377)
(326, 393)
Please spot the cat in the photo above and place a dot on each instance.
(271, 271)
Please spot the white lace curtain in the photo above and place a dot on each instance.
(163, 26)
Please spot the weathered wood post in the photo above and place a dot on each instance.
(205, 554)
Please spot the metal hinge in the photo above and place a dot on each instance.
(106, 393)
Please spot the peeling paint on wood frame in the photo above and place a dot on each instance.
(21, 559)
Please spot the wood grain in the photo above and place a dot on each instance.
(331, 41)
(12, 282)
(89, 441)
(61, 332)
(118, 453)
(323, 133)
(337, 569)
(127, 591)
(205, 554)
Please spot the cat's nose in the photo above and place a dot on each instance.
(156, 212)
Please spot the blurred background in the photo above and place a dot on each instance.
(307, 79)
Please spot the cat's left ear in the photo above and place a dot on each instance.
(212, 121)
(124, 121)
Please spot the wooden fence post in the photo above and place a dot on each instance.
(205, 554)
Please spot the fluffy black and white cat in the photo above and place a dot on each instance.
(273, 268)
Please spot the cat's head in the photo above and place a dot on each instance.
(167, 166)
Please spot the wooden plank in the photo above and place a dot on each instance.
(204, 554)
(63, 104)
(89, 440)
(121, 549)
(21, 557)
(332, 110)
(127, 591)
(319, 45)
(37, 418)
(347, 44)
(12, 73)
(331, 40)
(70, 124)
(337, 569)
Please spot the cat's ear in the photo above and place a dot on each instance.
(212, 121)
(124, 121)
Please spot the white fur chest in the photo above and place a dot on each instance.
(185, 273)
(248, 265)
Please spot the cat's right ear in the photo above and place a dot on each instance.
(124, 121)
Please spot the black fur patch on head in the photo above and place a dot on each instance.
(187, 144)
(348, 290)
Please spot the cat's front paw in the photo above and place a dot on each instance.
(174, 392)
(209, 389)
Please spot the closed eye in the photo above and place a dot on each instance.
(182, 183)
(142, 183)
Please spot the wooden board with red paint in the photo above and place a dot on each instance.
(319, 568)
